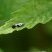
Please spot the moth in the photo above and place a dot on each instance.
(17, 25)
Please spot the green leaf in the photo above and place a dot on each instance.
(29, 12)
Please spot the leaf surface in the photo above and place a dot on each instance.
(29, 12)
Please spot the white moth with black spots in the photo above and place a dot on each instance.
(17, 25)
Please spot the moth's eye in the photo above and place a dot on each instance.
(13, 26)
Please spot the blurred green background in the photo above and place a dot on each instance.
(37, 39)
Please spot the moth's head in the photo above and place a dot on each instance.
(13, 26)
